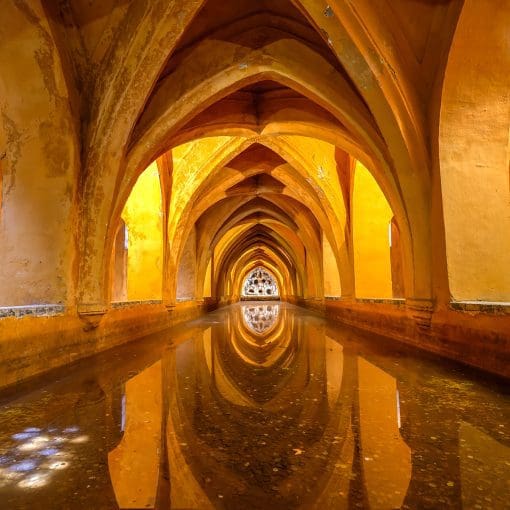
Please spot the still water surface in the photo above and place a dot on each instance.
(258, 406)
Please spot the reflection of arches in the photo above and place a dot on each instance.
(260, 284)
(386, 456)
(261, 319)
(140, 445)
(212, 374)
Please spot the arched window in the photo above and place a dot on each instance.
(260, 284)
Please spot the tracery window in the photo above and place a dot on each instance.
(260, 284)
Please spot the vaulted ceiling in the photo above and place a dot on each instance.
(263, 107)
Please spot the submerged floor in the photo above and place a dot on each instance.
(257, 406)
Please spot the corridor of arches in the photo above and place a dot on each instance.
(153, 153)
(161, 160)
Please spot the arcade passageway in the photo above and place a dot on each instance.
(153, 154)
(161, 160)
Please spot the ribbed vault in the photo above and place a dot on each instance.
(289, 115)
(358, 150)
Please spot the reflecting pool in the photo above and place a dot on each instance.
(257, 406)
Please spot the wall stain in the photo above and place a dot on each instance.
(13, 136)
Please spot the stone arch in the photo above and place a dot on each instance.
(411, 181)
(128, 73)
(275, 264)
(241, 220)
(246, 250)
(217, 162)
(137, 161)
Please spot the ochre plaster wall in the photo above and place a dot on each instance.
(40, 163)
(33, 345)
(371, 220)
(332, 286)
(207, 280)
(474, 153)
(143, 217)
(446, 334)
(186, 275)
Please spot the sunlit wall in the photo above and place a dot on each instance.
(143, 218)
(332, 286)
(371, 225)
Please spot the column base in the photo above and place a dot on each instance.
(421, 310)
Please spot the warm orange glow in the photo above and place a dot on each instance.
(332, 285)
(142, 215)
(371, 220)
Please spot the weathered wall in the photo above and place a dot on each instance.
(34, 345)
(477, 338)
(39, 149)
(187, 269)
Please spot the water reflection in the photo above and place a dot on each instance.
(260, 318)
(385, 456)
(31, 456)
(134, 463)
(299, 415)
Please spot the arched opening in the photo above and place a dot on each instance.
(138, 250)
(260, 284)
(376, 240)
